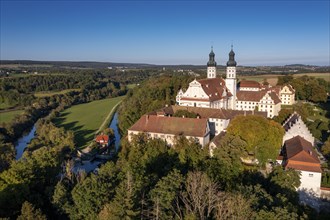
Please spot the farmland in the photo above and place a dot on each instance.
(272, 78)
(85, 119)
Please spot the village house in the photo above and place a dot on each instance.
(298, 153)
(103, 140)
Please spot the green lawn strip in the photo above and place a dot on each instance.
(8, 116)
(85, 119)
(47, 93)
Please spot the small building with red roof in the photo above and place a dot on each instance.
(103, 140)
(300, 155)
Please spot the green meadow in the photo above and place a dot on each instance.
(8, 116)
(85, 119)
(47, 93)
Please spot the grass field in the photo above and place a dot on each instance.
(8, 116)
(85, 119)
(47, 94)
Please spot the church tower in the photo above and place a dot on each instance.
(231, 81)
(211, 66)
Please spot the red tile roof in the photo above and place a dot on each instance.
(102, 139)
(214, 88)
(297, 148)
(300, 155)
(171, 125)
(308, 167)
(275, 97)
(254, 96)
(249, 84)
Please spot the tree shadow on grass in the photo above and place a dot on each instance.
(81, 136)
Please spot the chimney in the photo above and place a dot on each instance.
(183, 116)
(310, 152)
(166, 105)
(147, 118)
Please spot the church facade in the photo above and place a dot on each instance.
(220, 93)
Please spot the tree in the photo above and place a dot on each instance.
(163, 195)
(28, 212)
(124, 204)
(185, 113)
(288, 178)
(226, 163)
(7, 155)
(263, 137)
(94, 192)
(200, 196)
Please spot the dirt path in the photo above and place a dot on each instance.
(88, 148)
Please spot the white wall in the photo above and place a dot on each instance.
(231, 84)
(248, 89)
(299, 128)
(310, 181)
(211, 72)
(170, 138)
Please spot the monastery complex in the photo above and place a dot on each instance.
(216, 101)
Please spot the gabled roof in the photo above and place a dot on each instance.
(171, 125)
(249, 84)
(210, 112)
(275, 97)
(300, 155)
(254, 96)
(292, 120)
(102, 138)
(297, 148)
(214, 88)
(217, 139)
(289, 87)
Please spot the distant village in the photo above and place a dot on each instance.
(216, 101)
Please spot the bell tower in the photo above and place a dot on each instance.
(231, 81)
(211, 66)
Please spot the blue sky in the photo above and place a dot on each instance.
(166, 32)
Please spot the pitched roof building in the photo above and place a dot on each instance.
(300, 155)
(209, 122)
(168, 128)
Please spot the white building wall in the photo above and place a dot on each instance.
(299, 128)
(218, 124)
(231, 84)
(170, 138)
(211, 72)
(195, 103)
(287, 96)
(310, 181)
(249, 89)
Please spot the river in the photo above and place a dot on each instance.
(22, 143)
(88, 166)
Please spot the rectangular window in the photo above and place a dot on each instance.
(310, 175)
